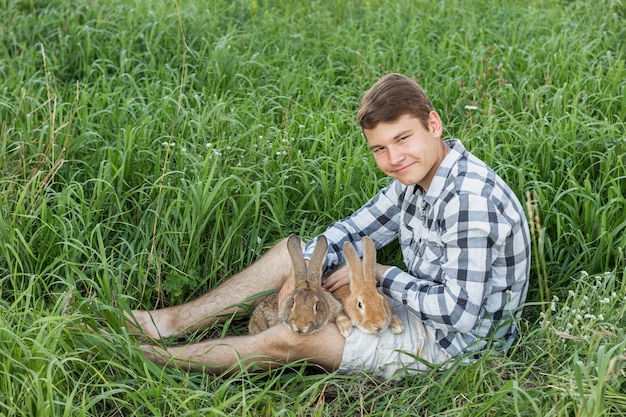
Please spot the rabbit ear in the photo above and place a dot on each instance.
(354, 264)
(369, 259)
(316, 263)
(299, 266)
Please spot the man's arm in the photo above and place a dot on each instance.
(454, 276)
(378, 218)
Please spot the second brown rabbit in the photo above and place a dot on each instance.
(368, 309)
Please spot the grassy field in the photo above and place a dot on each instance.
(150, 149)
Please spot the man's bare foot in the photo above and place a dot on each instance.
(154, 353)
(163, 356)
(141, 322)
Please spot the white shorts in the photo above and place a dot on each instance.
(390, 356)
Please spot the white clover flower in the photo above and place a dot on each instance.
(208, 145)
(584, 274)
(571, 293)
(600, 317)
(590, 316)
(468, 107)
(605, 300)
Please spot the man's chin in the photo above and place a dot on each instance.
(404, 180)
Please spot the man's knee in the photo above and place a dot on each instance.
(281, 341)
(289, 346)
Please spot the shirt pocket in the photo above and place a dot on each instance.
(431, 256)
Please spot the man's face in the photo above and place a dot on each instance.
(405, 150)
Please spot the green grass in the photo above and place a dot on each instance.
(150, 149)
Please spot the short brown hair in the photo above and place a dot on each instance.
(391, 97)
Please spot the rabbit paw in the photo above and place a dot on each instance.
(396, 326)
(344, 325)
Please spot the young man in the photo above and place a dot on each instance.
(464, 240)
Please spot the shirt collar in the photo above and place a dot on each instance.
(438, 183)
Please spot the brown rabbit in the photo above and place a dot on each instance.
(367, 308)
(309, 307)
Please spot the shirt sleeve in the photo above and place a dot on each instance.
(378, 218)
(471, 231)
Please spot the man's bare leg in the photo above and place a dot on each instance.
(275, 346)
(268, 273)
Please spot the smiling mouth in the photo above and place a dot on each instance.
(403, 169)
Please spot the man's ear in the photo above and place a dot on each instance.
(435, 126)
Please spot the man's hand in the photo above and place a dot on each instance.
(337, 279)
(341, 277)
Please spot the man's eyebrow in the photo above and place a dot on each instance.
(396, 137)
(401, 134)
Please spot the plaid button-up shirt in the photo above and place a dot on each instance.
(466, 246)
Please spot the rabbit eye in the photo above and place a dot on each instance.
(359, 305)
(316, 307)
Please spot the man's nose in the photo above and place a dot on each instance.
(395, 155)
